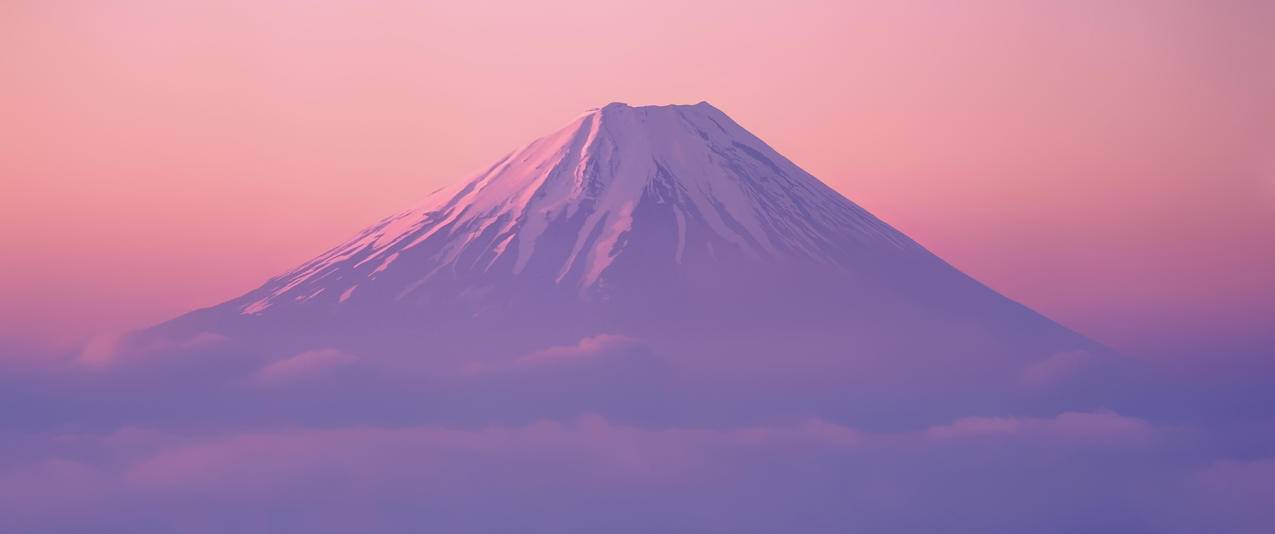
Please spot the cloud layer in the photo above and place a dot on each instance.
(607, 433)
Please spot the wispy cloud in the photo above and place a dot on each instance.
(301, 367)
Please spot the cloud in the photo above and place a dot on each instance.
(576, 436)
(1237, 483)
(582, 352)
(586, 347)
(298, 463)
(302, 367)
(588, 471)
(107, 349)
(1240, 478)
(100, 350)
(611, 374)
(591, 444)
(1101, 427)
(1224, 495)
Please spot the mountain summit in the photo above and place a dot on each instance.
(659, 186)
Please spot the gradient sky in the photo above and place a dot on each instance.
(1108, 165)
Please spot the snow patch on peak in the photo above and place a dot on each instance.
(719, 184)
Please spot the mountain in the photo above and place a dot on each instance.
(620, 198)
(671, 224)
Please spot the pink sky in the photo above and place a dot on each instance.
(1108, 165)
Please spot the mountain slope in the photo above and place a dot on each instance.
(644, 221)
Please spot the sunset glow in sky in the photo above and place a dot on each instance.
(1109, 164)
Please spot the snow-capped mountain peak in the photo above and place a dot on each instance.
(564, 208)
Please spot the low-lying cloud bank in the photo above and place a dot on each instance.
(602, 434)
(1075, 470)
